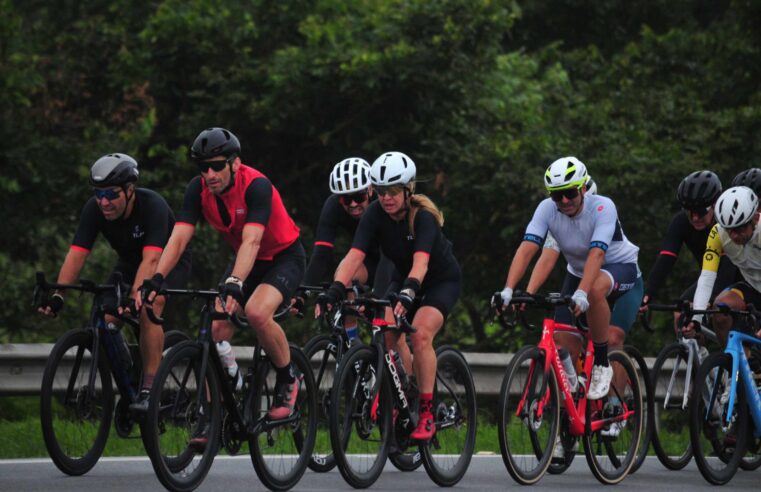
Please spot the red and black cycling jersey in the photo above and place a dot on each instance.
(333, 218)
(399, 245)
(680, 232)
(149, 225)
(251, 200)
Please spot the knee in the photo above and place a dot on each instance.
(422, 339)
(257, 318)
(616, 337)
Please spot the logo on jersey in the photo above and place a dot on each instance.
(240, 211)
(137, 233)
(410, 238)
(599, 208)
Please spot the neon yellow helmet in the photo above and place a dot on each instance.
(565, 173)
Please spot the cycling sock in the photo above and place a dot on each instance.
(148, 381)
(426, 402)
(284, 374)
(601, 354)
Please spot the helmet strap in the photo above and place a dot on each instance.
(127, 211)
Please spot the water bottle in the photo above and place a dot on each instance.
(351, 332)
(120, 358)
(225, 351)
(119, 345)
(570, 370)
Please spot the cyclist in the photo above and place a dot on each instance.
(242, 204)
(136, 222)
(601, 261)
(697, 193)
(735, 235)
(352, 194)
(408, 228)
(750, 178)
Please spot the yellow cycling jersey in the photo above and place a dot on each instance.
(746, 257)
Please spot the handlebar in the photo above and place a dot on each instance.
(547, 301)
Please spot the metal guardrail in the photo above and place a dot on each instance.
(22, 365)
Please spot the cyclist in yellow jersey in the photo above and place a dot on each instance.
(737, 236)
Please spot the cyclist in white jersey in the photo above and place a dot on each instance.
(589, 235)
(736, 235)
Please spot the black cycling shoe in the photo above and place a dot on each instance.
(200, 438)
(141, 404)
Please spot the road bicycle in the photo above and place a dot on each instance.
(531, 416)
(194, 409)
(670, 416)
(77, 393)
(325, 351)
(725, 421)
(373, 405)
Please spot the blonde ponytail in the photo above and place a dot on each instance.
(418, 202)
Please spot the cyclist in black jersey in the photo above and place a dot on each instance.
(243, 205)
(408, 228)
(697, 194)
(136, 222)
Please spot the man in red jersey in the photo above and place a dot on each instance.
(241, 203)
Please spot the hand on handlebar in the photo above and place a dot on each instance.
(52, 306)
(332, 296)
(580, 302)
(500, 300)
(691, 329)
(644, 306)
(149, 290)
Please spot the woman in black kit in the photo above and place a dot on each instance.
(407, 226)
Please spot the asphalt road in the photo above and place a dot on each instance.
(232, 474)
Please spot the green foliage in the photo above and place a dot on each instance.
(483, 94)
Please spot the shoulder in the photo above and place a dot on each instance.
(146, 195)
(194, 185)
(601, 205)
(424, 216)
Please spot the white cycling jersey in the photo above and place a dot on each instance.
(596, 226)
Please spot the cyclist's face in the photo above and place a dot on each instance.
(356, 203)
(112, 203)
(699, 220)
(393, 201)
(571, 206)
(742, 234)
(217, 180)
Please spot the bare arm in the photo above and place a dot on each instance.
(69, 273)
(251, 240)
(348, 266)
(542, 269)
(595, 260)
(521, 260)
(178, 241)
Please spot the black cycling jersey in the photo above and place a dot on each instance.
(258, 200)
(396, 242)
(149, 225)
(679, 232)
(332, 219)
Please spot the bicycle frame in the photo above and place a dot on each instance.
(740, 363)
(577, 424)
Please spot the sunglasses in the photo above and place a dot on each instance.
(108, 193)
(389, 190)
(569, 194)
(358, 197)
(739, 228)
(216, 166)
(700, 212)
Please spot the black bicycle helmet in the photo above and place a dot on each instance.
(113, 170)
(214, 142)
(750, 178)
(699, 190)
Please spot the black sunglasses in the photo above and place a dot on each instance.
(216, 166)
(358, 197)
(700, 212)
(569, 193)
(108, 193)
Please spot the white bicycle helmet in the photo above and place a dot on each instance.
(591, 186)
(564, 173)
(349, 176)
(736, 207)
(392, 168)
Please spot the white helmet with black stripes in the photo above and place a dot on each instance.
(736, 207)
(392, 168)
(350, 176)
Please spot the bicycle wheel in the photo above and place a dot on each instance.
(752, 459)
(718, 446)
(447, 456)
(529, 415)
(670, 416)
(611, 448)
(570, 446)
(181, 429)
(321, 352)
(646, 388)
(75, 417)
(361, 416)
(282, 449)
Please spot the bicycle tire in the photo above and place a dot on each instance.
(611, 458)
(447, 456)
(648, 403)
(752, 459)
(77, 455)
(712, 379)
(281, 453)
(532, 450)
(174, 418)
(321, 350)
(669, 429)
(361, 416)
(560, 465)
